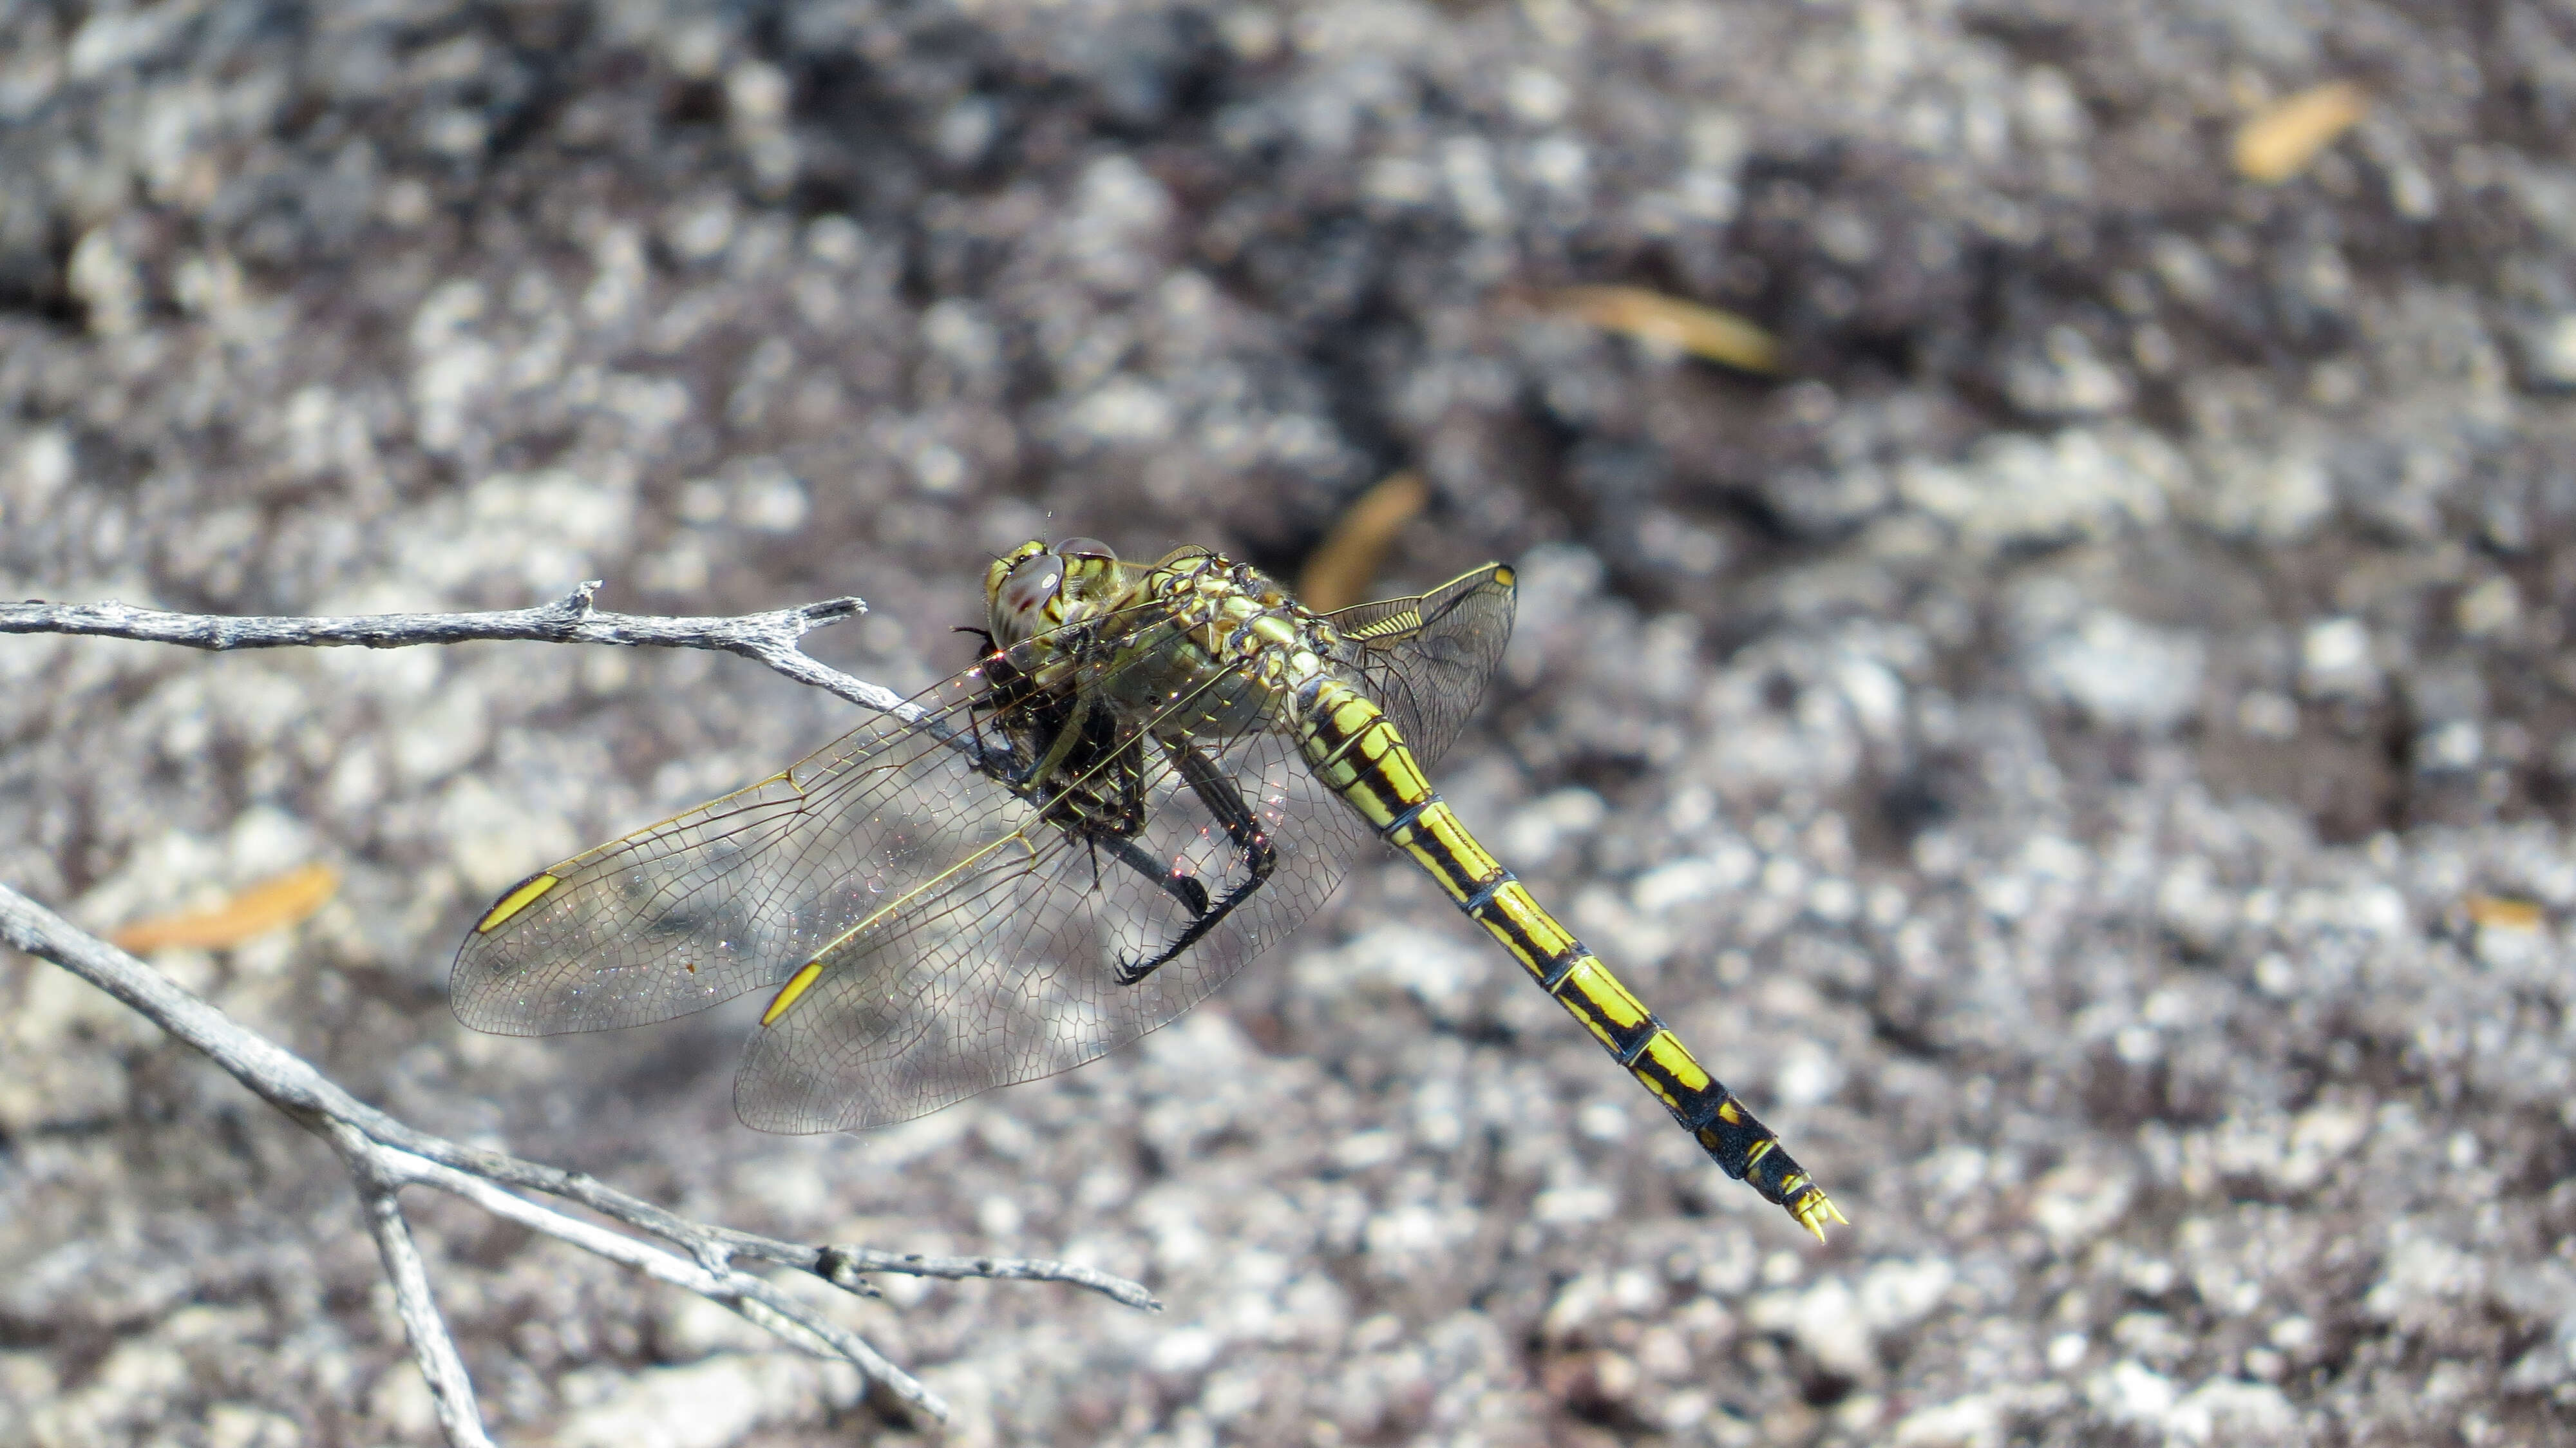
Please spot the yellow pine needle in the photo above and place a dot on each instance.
(1342, 570)
(270, 905)
(2278, 142)
(1703, 332)
(2498, 912)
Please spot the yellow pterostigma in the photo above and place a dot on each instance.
(1153, 773)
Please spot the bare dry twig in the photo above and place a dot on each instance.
(769, 637)
(384, 1154)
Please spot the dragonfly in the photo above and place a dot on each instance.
(1151, 774)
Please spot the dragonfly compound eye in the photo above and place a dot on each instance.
(1022, 605)
(1085, 548)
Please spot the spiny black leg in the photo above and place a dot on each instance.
(1186, 889)
(1260, 856)
(1118, 837)
(1130, 769)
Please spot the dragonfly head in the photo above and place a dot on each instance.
(1035, 587)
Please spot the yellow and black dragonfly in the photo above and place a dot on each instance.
(1154, 773)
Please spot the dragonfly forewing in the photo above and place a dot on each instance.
(733, 895)
(933, 933)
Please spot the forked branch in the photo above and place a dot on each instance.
(384, 1154)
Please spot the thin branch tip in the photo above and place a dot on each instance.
(833, 610)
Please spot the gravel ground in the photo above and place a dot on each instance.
(2081, 752)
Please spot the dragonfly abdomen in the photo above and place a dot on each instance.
(1355, 750)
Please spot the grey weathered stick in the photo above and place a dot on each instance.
(837, 1263)
(451, 1392)
(755, 1299)
(363, 1134)
(293, 1084)
(770, 638)
(384, 1153)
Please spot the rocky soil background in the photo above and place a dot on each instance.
(2084, 750)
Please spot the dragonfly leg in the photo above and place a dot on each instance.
(1117, 834)
(1260, 856)
(1019, 771)
(1186, 889)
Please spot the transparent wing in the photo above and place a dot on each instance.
(964, 942)
(1427, 659)
(733, 895)
(1006, 970)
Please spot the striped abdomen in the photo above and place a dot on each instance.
(1355, 750)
